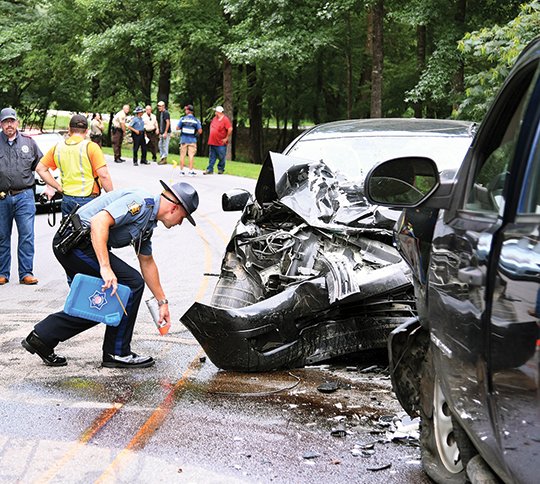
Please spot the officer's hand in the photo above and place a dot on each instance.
(109, 279)
(164, 314)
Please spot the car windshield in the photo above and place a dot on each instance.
(354, 157)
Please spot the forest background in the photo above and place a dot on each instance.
(275, 65)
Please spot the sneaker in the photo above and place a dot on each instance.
(163, 161)
(192, 173)
(220, 172)
(135, 163)
(130, 361)
(182, 172)
(207, 172)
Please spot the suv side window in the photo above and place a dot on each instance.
(486, 194)
(530, 203)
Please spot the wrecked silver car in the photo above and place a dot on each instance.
(310, 272)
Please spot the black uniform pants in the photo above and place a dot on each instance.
(138, 141)
(61, 326)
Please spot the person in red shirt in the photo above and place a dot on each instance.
(220, 134)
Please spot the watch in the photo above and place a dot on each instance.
(161, 302)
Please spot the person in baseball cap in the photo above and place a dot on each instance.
(78, 121)
(186, 196)
(8, 113)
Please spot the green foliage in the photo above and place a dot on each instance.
(311, 59)
(490, 53)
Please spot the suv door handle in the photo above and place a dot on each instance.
(473, 276)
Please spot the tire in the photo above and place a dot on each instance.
(235, 287)
(445, 448)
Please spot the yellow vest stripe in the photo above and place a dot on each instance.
(75, 167)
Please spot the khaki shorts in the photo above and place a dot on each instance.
(189, 148)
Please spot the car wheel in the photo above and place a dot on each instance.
(235, 287)
(445, 447)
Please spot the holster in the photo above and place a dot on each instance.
(71, 233)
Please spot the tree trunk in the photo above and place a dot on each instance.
(420, 63)
(146, 72)
(349, 63)
(164, 82)
(228, 102)
(377, 59)
(255, 116)
(459, 76)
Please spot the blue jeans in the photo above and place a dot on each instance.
(69, 202)
(163, 145)
(219, 152)
(22, 209)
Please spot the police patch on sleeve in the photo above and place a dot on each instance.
(134, 208)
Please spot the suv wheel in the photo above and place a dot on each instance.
(445, 446)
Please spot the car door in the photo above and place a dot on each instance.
(515, 310)
(462, 282)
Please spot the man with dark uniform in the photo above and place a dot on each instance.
(151, 130)
(116, 219)
(118, 132)
(19, 156)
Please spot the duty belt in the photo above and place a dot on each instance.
(71, 232)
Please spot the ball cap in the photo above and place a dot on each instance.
(138, 110)
(186, 195)
(219, 109)
(78, 121)
(8, 113)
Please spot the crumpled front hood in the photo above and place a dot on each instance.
(322, 198)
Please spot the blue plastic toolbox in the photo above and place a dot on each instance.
(87, 300)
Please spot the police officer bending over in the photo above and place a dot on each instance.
(82, 245)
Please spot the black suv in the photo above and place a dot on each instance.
(469, 363)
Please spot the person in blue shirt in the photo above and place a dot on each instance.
(190, 127)
(116, 219)
(136, 126)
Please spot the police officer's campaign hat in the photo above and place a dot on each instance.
(186, 195)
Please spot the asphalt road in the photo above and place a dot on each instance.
(182, 420)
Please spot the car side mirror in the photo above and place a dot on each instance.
(402, 182)
(235, 200)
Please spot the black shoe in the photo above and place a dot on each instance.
(130, 361)
(135, 163)
(33, 344)
(145, 162)
(220, 172)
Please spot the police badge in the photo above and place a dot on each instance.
(134, 208)
(98, 300)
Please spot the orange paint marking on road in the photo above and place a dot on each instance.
(87, 435)
(148, 429)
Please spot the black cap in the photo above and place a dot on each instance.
(186, 195)
(78, 121)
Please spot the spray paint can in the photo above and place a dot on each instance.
(153, 307)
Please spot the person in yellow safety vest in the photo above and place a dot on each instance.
(82, 167)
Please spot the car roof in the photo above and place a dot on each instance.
(393, 127)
